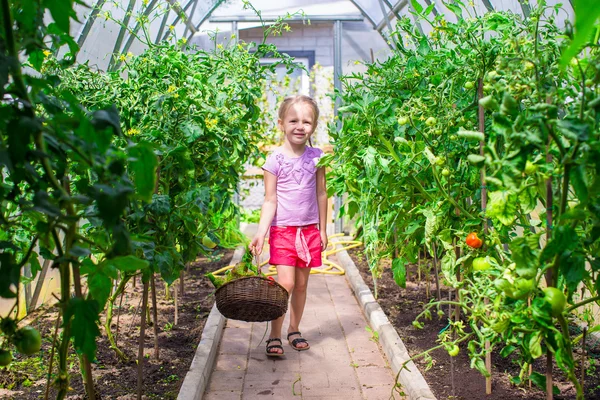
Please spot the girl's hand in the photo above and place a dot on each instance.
(323, 240)
(256, 245)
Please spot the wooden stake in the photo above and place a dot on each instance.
(155, 318)
(481, 115)
(140, 366)
(175, 297)
(435, 271)
(182, 283)
(52, 354)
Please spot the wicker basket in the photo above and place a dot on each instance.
(252, 299)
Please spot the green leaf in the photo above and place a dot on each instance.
(61, 11)
(107, 118)
(418, 8)
(574, 129)
(160, 205)
(502, 206)
(475, 159)
(128, 263)
(564, 238)
(143, 164)
(525, 256)
(535, 345)
(99, 286)
(586, 15)
(540, 381)
(399, 271)
(479, 364)
(579, 181)
(84, 327)
(573, 269)
(9, 275)
(36, 58)
(191, 131)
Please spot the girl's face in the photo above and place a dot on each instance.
(298, 123)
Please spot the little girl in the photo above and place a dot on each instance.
(294, 213)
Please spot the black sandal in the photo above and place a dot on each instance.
(294, 343)
(269, 348)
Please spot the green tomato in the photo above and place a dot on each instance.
(431, 121)
(492, 74)
(439, 161)
(445, 172)
(27, 340)
(522, 288)
(207, 242)
(489, 103)
(437, 132)
(453, 351)
(589, 82)
(453, 137)
(5, 357)
(556, 298)
(469, 85)
(481, 264)
(529, 66)
(502, 285)
(530, 168)
(402, 120)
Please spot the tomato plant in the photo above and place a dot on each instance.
(520, 134)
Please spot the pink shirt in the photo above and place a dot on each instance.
(296, 187)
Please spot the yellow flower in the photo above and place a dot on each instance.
(220, 46)
(47, 53)
(145, 2)
(133, 132)
(122, 57)
(233, 35)
(129, 54)
(183, 40)
(176, 95)
(171, 89)
(171, 27)
(287, 28)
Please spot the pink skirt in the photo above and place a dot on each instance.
(296, 246)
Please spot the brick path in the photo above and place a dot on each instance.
(342, 363)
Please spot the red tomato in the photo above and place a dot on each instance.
(474, 241)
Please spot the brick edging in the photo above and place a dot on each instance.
(196, 379)
(413, 383)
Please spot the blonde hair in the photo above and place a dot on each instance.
(300, 98)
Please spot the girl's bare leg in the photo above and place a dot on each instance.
(298, 302)
(286, 278)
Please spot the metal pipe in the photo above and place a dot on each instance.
(386, 18)
(136, 29)
(191, 16)
(399, 6)
(162, 26)
(121, 35)
(90, 21)
(337, 83)
(272, 18)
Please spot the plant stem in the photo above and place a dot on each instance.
(109, 315)
(582, 303)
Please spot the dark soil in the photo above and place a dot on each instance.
(403, 305)
(115, 379)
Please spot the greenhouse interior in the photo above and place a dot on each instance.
(173, 174)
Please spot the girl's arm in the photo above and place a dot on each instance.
(267, 213)
(322, 203)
